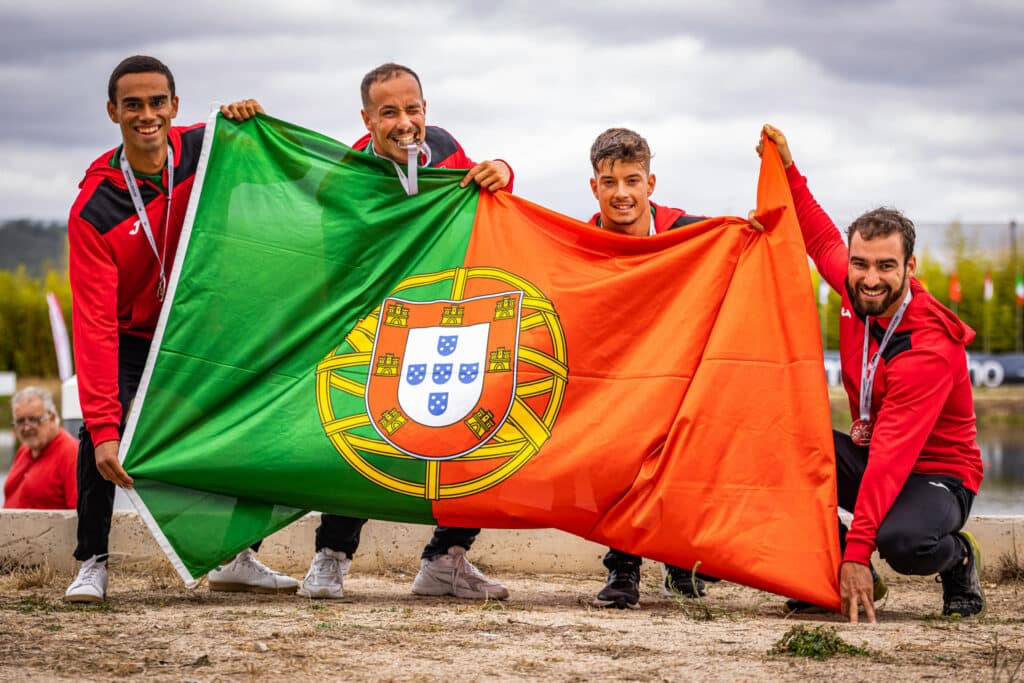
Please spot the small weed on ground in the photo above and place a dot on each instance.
(1007, 664)
(1009, 567)
(39, 576)
(820, 642)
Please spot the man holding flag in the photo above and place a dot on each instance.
(394, 112)
(123, 234)
(910, 468)
(622, 185)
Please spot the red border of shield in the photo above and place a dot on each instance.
(397, 316)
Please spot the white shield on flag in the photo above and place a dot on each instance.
(442, 373)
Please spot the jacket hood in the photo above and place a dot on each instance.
(945, 319)
(100, 169)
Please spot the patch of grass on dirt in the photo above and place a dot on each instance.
(696, 608)
(820, 642)
(33, 603)
(38, 576)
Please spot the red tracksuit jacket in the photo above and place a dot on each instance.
(114, 273)
(921, 402)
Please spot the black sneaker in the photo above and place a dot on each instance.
(878, 591)
(682, 583)
(623, 588)
(962, 595)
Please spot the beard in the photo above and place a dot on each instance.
(877, 307)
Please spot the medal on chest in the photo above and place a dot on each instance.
(861, 429)
(860, 432)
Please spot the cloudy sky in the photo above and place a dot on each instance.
(917, 104)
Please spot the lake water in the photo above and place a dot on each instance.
(1002, 450)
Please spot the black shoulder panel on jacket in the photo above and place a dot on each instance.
(109, 205)
(686, 220)
(191, 148)
(898, 343)
(442, 144)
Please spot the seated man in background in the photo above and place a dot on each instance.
(42, 476)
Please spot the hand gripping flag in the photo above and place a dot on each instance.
(469, 358)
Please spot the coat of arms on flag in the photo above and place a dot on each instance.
(444, 373)
(463, 370)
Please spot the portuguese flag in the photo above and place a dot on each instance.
(471, 359)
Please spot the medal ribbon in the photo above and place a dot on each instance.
(140, 210)
(867, 370)
(409, 182)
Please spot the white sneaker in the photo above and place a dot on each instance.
(453, 574)
(326, 575)
(246, 573)
(91, 583)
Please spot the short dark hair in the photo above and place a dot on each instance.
(137, 64)
(620, 144)
(882, 222)
(385, 72)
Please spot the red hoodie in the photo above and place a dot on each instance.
(921, 404)
(114, 273)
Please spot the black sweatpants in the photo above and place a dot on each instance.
(96, 494)
(341, 534)
(919, 534)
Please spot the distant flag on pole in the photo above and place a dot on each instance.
(823, 290)
(1018, 289)
(988, 291)
(955, 293)
(60, 336)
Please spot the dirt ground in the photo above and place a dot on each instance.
(152, 628)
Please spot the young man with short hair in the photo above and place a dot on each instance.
(123, 234)
(623, 184)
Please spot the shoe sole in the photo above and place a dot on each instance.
(976, 551)
(245, 588)
(442, 592)
(879, 590)
(614, 604)
(84, 599)
(319, 596)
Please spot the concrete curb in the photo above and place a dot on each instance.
(34, 537)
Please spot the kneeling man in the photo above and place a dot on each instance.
(910, 467)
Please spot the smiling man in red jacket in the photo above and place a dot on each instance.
(910, 467)
(123, 233)
(394, 113)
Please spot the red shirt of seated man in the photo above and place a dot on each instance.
(42, 476)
